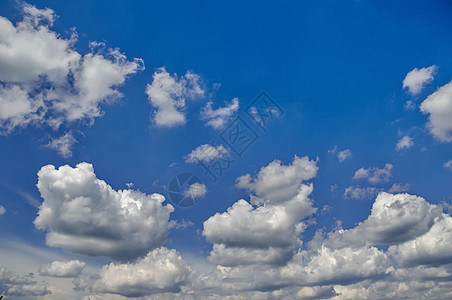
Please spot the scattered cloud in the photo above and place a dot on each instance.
(85, 215)
(416, 79)
(168, 95)
(217, 118)
(63, 145)
(66, 269)
(360, 193)
(206, 153)
(439, 107)
(196, 190)
(375, 175)
(404, 143)
(44, 80)
(344, 155)
(448, 164)
(2, 210)
(15, 285)
(399, 188)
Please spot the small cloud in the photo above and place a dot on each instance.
(416, 79)
(448, 165)
(68, 269)
(63, 145)
(206, 153)
(344, 155)
(182, 224)
(375, 175)
(217, 118)
(2, 210)
(130, 185)
(404, 143)
(196, 190)
(361, 193)
(399, 188)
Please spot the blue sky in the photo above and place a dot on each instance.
(344, 194)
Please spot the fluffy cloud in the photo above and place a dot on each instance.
(399, 188)
(196, 190)
(161, 270)
(404, 143)
(2, 210)
(217, 118)
(375, 175)
(206, 153)
(85, 215)
(63, 145)
(167, 94)
(71, 268)
(12, 284)
(344, 155)
(44, 80)
(439, 107)
(393, 219)
(267, 232)
(416, 79)
(360, 193)
(448, 164)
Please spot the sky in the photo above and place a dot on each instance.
(225, 150)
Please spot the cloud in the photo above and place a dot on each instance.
(2, 210)
(393, 219)
(161, 270)
(375, 175)
(12, 284)
(85, 215)
(448, 164)
(416, 79)
(217, 118)
(344, 155)
(63, 145)
(439, 107)
(399, 188)
(196, 190)
(44, 80)
(206, 153)
(360, 193)
(404, 143)
(266, 233)
(67, 269)
(167, 94)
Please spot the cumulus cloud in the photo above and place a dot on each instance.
(399, 188)
(360, 193)
(44, 80)
(344, 155)
(12, 284)
(416, 79)
(168, 95)
(393, 219)
(266, 233)
(2, 210)
(404, 143)
(85, 215)
(448, 164)
(161, 270)
(217, 118)
(63, 145)
(439, 108)
(375, 175)
(206, 153)
(66, 269)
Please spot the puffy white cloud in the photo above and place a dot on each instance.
(404, 143)
(63, 145)
(2, 210)
(399, 188)
(316, 292)
(44, 80)
(196, 190)
(344, 155)
(360, 193)
(85, 215)
(161, 270)
(416, 79)
(12, 284)
(167, 94)
(439, 107)
(393, 219)
(206, 153)
(448, 164)
(375, 175)
(71, 268)
(217, 118)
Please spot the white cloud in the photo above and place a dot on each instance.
(404, 143)
(448, 164)
(167, 94)
(375, 175)
(206, 153)
(196, 190)
(217, 118)
(44, 80)
(439, 107)
(399, 188)
(416, 79)
(360, 193)
(393, 219)
(344, 155)
(2, 210)
(66, 269)
(161, 270)
(63, 144)
(85, 215)
(15, 285)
